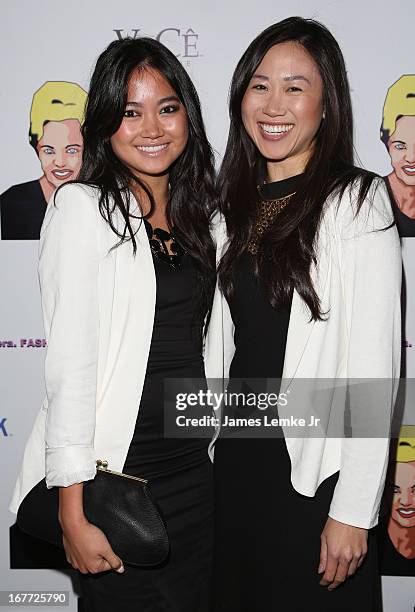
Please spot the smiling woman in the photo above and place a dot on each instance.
(282, 108)
(127, 271)
(56, 118)
(309, 289)
(153, 132)
(60, 153)
(398, 134)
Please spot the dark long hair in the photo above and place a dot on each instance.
(288, 252)
(191, 176)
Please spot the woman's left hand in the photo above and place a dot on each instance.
(343, 549)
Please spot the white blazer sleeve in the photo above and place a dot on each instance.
(68, 273)
(371, 267)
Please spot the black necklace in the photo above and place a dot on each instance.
(158, 238)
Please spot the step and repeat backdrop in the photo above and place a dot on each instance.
(48, 52)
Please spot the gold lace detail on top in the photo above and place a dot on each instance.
(267, 211)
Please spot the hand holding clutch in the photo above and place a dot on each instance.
(118, 504)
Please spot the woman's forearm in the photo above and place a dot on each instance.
(71, 512)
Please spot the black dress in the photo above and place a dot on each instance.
(179, 470)
(392, 562)
(22, 209)
(267, 536)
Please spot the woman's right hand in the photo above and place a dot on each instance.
(86, 546)
(88, 550)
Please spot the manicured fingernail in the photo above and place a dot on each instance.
(320, 568)
(120, 569)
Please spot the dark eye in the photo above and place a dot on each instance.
(259, 87)
(130, 113)
(171, 108)
(294, 88)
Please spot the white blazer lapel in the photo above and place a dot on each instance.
(132, 313)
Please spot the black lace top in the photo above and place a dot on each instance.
(260, 330)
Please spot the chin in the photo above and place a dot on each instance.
(273, 156)
(154, 171)
(409, 181)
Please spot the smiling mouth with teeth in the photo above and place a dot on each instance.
(406, 512)
(281, 128)
(409, 170)
(152, 148)
(61, 174)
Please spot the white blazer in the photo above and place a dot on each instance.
(98, 308)
(358, 280)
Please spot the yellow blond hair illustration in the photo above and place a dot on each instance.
(399, 102)
(406, 444)
(55, 101)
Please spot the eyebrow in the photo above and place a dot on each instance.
(394, 141)
(161, 101)
(297, 77)
(294, 77)
(66, 146)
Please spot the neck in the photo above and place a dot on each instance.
(404, 195)
(159, 187)
(286, 168)
(402, 538)
(46, 187)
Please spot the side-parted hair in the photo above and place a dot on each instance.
(399, 102)
(55, 101)
(191, 176)
(288, 250)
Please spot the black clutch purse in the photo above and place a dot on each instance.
(119, 504)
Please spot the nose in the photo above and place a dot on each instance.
(59, 159)
(405, 498)
(274, 104)
(410, 154)
(150, 127)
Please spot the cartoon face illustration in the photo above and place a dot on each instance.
(401, 147)
(401, 526)
(403, 505)
(398, 128)
(60, 151)
(56, 118)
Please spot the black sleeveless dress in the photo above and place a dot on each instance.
(267, 536)
(179, 470)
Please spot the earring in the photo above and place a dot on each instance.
(324, 114)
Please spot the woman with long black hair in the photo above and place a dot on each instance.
(127, 269)
(308, 291)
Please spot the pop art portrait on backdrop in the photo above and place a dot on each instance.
(398, 134)
(56, 117)
(398, 527)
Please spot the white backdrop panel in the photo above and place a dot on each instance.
(42, 41)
